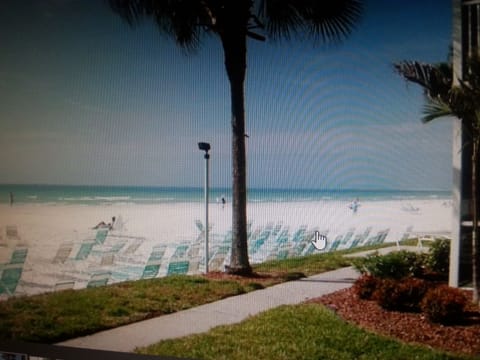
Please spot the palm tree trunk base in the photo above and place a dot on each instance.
(241, 271)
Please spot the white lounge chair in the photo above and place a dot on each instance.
(422, 238)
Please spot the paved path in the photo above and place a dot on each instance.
(228, 311)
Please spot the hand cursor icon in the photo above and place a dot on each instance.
(319, 241)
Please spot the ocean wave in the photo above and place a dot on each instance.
(82, 198)
(96, 198)
(112, 198)
(153, 199)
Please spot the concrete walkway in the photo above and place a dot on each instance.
(203, 318)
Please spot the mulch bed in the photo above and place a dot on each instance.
(463, 338)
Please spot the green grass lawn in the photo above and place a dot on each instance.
(308, 265)
(307, 331)
(66, 314)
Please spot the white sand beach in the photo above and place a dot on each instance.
(47, 247)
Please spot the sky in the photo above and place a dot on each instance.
(87, 100)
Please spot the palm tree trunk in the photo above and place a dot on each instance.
(475, 263)
(235, 50)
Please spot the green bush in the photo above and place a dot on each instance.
(365, 286)
(395, 265)
(401, 295)
(438, 258)
(444, 304)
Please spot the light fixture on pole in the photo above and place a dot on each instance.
(206, 147)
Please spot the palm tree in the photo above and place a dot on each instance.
(461, 101)
(233, 21)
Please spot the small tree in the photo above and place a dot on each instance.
(463, 102)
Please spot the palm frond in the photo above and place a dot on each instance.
(436, 80)
(434, 109)
(130, 11)
(324, 20)
(279, 17)
(184, 20)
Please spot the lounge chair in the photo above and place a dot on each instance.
(84, 251)
(12, 232)
(133, 247)
(299, 234)
(180, 252)
(425, 237)
(101, 236)
(65, 285)
(63, 253)
(99, 279)
(108, 259)
(178, 267)
(19, 255)
(150, 271)
(9, 280)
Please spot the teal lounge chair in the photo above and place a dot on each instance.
(99, 279)
(178, 267)
(84, 251)
(9, 280)
(19, 255)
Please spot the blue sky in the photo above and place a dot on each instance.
(85, 99)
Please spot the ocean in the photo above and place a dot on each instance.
(94, 195)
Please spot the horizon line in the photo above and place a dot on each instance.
(224, 187)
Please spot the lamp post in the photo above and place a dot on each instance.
(206, 147)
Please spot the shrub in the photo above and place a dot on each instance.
(438, 258)
(395, 265)
(401, 295)
(444, 304)
(365, 286)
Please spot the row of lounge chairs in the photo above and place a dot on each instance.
(269, 242)
(276, 242)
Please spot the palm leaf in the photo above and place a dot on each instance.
(436, 80)
(434, 109)
(326, 20)
(184, 20)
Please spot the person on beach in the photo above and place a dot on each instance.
(103, 225)
(223, 202)
(110, 226)
(354, 205)
(11, 198)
